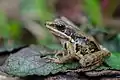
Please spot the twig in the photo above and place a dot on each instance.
(103, 73)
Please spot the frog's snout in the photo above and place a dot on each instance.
(49, 24)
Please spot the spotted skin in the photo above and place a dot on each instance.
(77, 46)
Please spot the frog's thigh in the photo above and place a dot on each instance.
(102, 53)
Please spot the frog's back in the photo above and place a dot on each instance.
(84, 43)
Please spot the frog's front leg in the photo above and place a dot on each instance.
(57, 58)
(60, 53)
(71, 52)
(67, 54)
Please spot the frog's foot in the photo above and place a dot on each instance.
(86, 68)
(58, 60)
(60, 53)
(50, 59)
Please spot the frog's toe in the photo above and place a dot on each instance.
(59, 54)
(48, 59)
(55, 60)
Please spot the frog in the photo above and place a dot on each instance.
(77, 45)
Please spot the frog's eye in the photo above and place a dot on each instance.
(60, 27)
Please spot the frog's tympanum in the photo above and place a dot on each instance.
(77, 45)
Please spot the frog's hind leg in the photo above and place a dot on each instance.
(89, 68)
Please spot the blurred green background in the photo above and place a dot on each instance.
(18, 24)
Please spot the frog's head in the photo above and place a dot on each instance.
(56, 25)
(59, 28)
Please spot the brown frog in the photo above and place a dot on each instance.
(77, 45)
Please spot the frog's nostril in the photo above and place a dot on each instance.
(49, 23)
(46, 23)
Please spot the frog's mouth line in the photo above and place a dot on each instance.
(57, 32)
